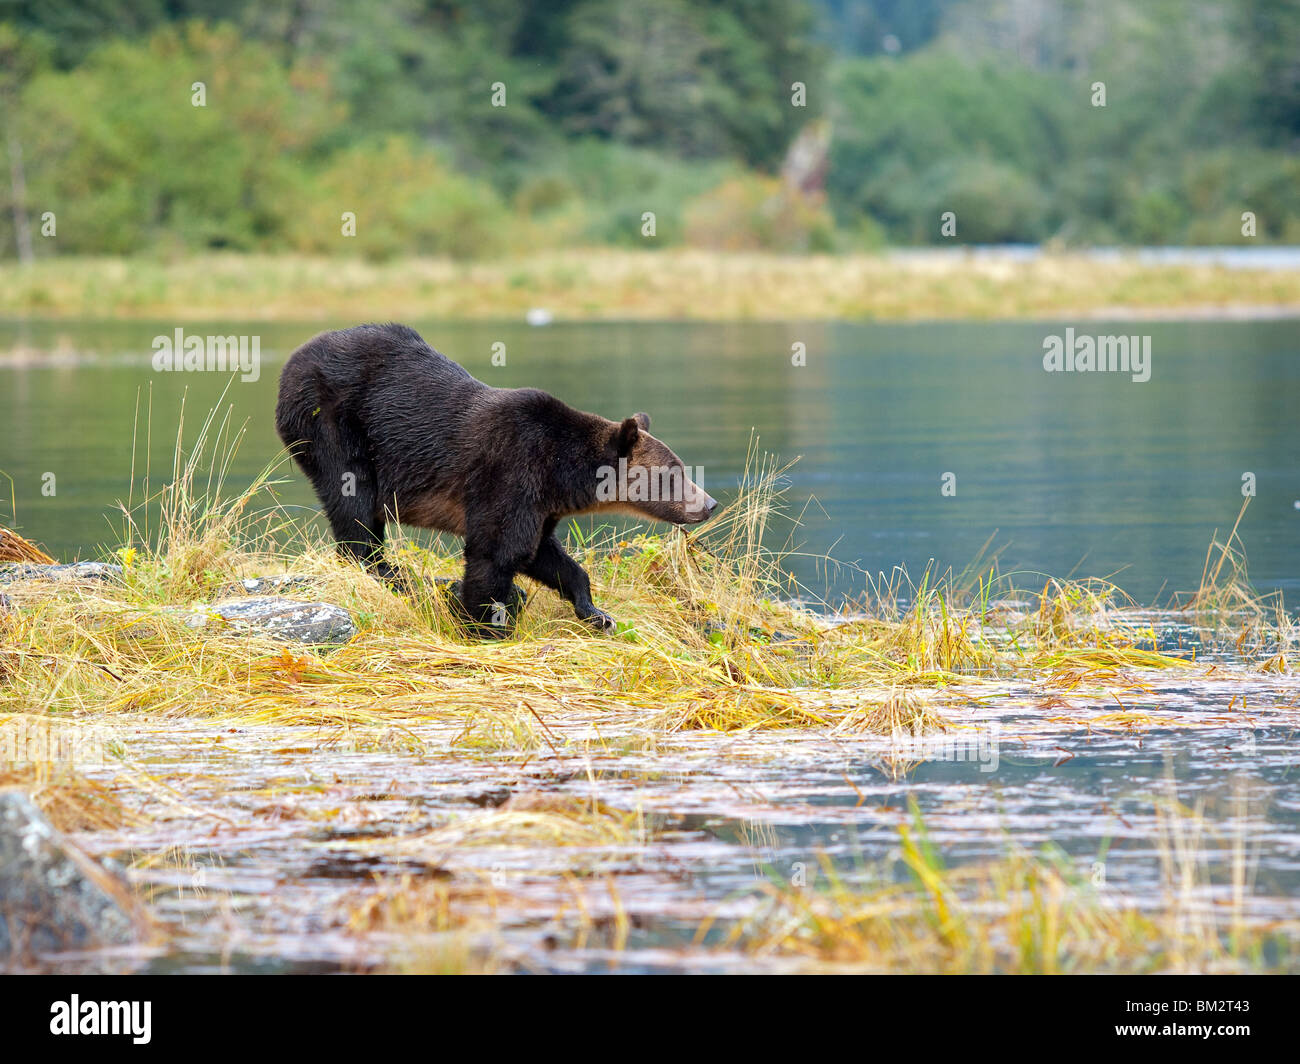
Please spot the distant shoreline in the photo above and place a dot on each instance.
(980, 284)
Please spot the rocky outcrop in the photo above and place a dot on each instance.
(69, 573)
(316, 623)
(53, 897)
(263, 585)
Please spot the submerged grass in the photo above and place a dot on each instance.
(1023, 914)
(537, 819)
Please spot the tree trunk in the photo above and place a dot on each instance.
(18, 180)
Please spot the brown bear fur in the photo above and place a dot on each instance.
(388, 429)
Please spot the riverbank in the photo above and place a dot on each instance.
(648, 285)
(728, 782)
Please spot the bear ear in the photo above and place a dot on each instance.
(643, 420)
(625, 436)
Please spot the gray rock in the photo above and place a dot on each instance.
(72, 571)
(262, 585)
(282, 618)
(52, 896)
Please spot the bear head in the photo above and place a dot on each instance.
(644, 478)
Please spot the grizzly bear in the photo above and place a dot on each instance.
(388, 429)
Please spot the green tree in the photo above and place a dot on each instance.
(119, 150)
(1271, 29)
(21, 57)
(696, 79)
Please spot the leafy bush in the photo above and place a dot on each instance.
(117, 149)
(758, 213)
(406, 201)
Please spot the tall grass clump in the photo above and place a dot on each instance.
(1021, 914)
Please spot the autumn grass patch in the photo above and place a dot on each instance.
(714, 634)
(14, 548)
(69, 800)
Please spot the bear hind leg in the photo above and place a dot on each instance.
(351, 499)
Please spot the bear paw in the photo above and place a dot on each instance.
(598, 619)
(397, 580)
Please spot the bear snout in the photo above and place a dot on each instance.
(703, 510)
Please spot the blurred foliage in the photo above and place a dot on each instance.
(425, 207)
(751, 213)
(681, 107)
(129, 169)
(994, 119)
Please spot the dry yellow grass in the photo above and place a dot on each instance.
(1023, 914)
(706, 640)
(70, 800)
(615, 284)
(14, 548)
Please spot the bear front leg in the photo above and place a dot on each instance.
(488, 599)
(553, 566)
